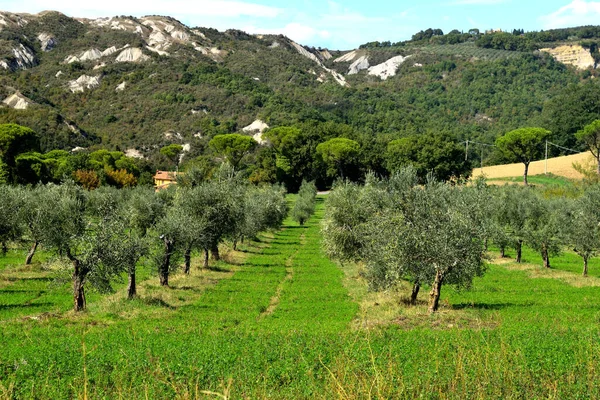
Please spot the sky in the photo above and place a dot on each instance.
(338, 25)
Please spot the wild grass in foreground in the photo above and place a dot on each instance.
(281, 321)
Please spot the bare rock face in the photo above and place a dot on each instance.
(339, 78)
(23, 58)
(84, 82)
(388, 68)
(572, 55)
(134, 153)
(18, 101)
(348, 57)
(360, 64)
(132, 55)
(47, 41)
(257, 127)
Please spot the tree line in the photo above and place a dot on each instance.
(439, 233)
(105, 232)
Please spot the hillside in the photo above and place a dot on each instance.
(138, 84)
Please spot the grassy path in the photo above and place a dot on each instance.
(288, 285)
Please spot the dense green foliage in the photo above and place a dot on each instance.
(449, 87)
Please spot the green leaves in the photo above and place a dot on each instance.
(233, 147)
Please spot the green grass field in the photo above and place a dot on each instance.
(278, 320)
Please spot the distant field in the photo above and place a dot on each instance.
(559, 166)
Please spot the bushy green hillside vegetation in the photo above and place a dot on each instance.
(186, 91)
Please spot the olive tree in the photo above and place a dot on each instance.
(513, 204)
(582, 225)
(543, 227)
(444, 238)
(31, 215)
(10, 226)
(304, 207)
(86, 234)
(142, 209)
(263, 208)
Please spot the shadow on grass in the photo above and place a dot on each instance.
(485, 306)
(153, 301)
(216, 268)
(188, 288)
(32, 305)
(39, 292)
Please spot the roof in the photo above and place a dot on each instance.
(165, 176)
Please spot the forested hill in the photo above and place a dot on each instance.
(128, 83)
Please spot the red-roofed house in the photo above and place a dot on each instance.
(164, 179)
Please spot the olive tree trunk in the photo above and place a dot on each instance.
(214, 252)
(188, 260)
(519, 250)
(131, 287)
(31, 253)
(545, 256)
(502, 251)
(436, 290)
(79, 274)
(205, 261)
(415, 293)
(525, 174)
(163, 272)
(585, 265)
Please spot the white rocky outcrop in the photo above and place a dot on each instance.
(47, 41)
(90, 55)
(388, 68)
(326, 54)
(572, 55)
(84, 82)
(132, 55)
(134, 153)
(121, 87)
(111, 50)
(300, 49)
(172, 135)
(58, 74)
(98, 66)
(18, 101)
(257, 127)
(348, 57)
(23, 58)
(339, 78)
(360, 64)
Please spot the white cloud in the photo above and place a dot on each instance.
(189, 8)
(577, 13)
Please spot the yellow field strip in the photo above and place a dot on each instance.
(560, 166)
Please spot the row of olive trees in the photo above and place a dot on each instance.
(547, 225)
(439, 233)
(104, 233)
(304, 207)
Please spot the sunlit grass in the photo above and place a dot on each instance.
(277, 319)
